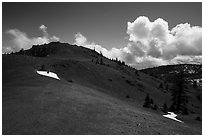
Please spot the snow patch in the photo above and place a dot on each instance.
(172, 116)
(48, 74)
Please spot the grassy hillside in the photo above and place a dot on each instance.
(90, 98)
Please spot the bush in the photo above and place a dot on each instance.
(42, 68)
(185, 111)
(198, 119)
(198, 97)
(129, 82)
(110, 79)
(155, 107)
(69, 80)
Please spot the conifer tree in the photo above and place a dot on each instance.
(179, 97)
(165, 108)
(147, 101)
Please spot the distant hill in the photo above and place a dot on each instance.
(95, 95)
(192, 72)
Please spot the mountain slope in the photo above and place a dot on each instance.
(90, 98)
(192, 72)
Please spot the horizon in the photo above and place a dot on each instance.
(127, 31)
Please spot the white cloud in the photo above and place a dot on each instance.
(152, 44)
(164, 43)
(43, 28)
(21, 40)
(80, 39)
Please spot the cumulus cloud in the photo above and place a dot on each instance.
(153, 43)
(164, 43)
(20, 39)
(81, 40)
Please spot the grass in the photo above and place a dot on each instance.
(90, 104)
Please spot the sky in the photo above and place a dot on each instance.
(142, 34)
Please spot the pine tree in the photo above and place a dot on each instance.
(101, 53)
(147, 101)
(165, 108)
(179, 97)
(161, 86)
(194, 84)
(167, 87)
(136, 73)
(172, 108)
(101, 61)
(97, 62)
(151, 101)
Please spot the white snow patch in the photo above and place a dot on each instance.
(48, 74)
(172, 116)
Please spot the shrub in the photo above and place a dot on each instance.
(198, 119)
(155, 107)
(110, 79)
(69, 80)
(42, 67)
(185, 111)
